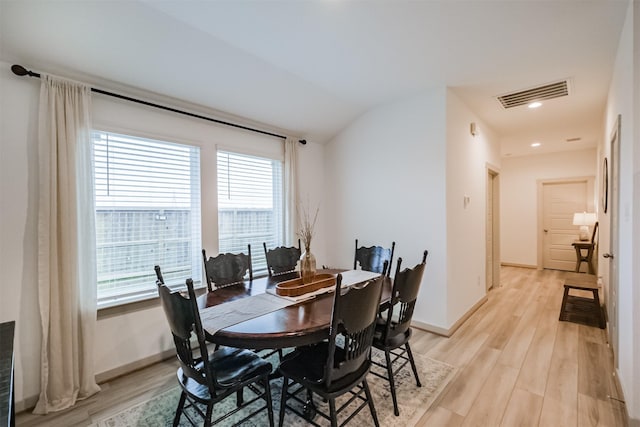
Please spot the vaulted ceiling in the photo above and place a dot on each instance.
(309, 68)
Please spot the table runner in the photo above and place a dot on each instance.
(230, 313)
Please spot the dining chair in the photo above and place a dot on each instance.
(340, 364)
(393, 330)
(227, 269)
(281, 259)
(372, 258)
(207, 379)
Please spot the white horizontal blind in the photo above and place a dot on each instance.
(147, 213)
(250, 206)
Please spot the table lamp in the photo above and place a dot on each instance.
(584, 220)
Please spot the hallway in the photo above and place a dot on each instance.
(520, 366)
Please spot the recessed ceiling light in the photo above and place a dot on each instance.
(534, 104)
(536, 144)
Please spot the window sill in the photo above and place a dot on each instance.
(119, 305)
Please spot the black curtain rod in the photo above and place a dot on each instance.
(19, 70)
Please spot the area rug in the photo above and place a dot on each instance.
(413, 401)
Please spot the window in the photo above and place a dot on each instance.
(147, 212)
(250, 207)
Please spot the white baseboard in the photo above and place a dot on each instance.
(30, 402)
(134, 366)
(450, 331)
(512, 264)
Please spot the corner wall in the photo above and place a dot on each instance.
(468, 160)
(399, 173)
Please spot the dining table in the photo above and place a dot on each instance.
(250, 315)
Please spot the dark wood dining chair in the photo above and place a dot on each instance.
(340, 364)
(393, 327)
(372, 258)
(282, 259)
(227, 269)
(207, 379)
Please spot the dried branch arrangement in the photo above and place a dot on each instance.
(307, 226)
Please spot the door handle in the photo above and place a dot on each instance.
(607, 256)
(546, 231)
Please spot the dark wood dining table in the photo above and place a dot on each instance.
(299, 324)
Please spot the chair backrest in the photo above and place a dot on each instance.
(373, 258)
(353, 322)
(282, 259)
(593, 235)
(184, 321)
(226, 269)
(406, 285)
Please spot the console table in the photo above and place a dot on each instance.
(587, 257)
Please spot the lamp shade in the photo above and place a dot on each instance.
(584, 218)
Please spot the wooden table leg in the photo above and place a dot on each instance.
(578, 256)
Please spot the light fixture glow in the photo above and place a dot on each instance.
(536, 144)
(535, 104)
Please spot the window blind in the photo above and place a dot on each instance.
(250, 205)
(147, 196)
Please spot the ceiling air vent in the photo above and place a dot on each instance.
(540, 93)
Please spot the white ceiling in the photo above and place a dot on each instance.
(309, 68)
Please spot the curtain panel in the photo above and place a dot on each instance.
(66, 245)
(290, 191)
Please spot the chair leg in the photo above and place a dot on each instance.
(267, 391)
(332, 412)
(372, 407)
(392, 384)
(207, 419)
(176, 419)
(283, 400)
(240, 397)
(413, 364)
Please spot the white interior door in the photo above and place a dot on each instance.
(493, 230)
(560, 201)
(612, 210)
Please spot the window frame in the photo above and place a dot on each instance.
(110, 302)
(265, 155)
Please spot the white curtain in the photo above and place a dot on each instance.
(66, 245)
(290, 190)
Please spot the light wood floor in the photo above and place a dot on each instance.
(518, 366)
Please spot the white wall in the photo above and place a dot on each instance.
(385, 181)
(18, 225)
(468, 159)
(623, 100)
(139, 333)
(399, 173)
(519, 197)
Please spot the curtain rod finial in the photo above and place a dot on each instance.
(303, 141)
(19, 70)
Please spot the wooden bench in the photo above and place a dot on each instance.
(581, 309)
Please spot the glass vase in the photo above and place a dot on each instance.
(307, 266)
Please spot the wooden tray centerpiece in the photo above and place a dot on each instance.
(295, 287)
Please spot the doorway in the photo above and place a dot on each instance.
(560, 199)
(610, 207)
(493, 230)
